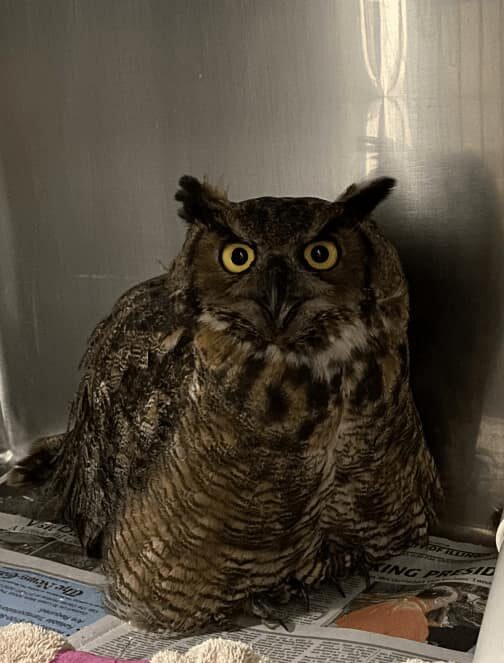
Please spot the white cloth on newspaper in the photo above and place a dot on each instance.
(215, 650)
(29, 643)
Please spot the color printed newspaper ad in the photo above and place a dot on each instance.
(427, 603)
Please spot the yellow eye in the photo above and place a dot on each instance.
(237, 257)
(321, 255)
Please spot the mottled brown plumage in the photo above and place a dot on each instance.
(239, 434)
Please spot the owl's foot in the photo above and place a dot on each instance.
(360, 565)
(332, 577)
(263, 607)
(300, 589)
(362, 568)
(345, 563)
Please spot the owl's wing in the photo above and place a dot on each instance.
(135, 380)
(387, 487)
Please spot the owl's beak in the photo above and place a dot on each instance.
(277, 285)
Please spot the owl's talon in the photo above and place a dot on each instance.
(306, 598)
(262, 608)
(221, 619)
(334, 579)
(367, 579)
(300, 589)
(339, 588)
(363, 570)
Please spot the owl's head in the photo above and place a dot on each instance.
(295, 275)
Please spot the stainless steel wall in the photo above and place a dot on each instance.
(104, 104)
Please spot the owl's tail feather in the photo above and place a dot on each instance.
(36, 469)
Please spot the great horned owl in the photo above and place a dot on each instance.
(245, 423)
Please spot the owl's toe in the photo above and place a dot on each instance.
(300, 590)
(335, 581)
(362, 569)
(346, 561)
(263, 607)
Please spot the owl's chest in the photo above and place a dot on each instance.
(272, 418)
(271, 399)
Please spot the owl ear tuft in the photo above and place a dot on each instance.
(201, 202)
(359, 200)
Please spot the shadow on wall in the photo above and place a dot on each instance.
(450, 240)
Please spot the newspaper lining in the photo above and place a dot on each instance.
(427, 603)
